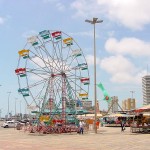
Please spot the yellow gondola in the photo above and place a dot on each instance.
(24, 53)
(68, 41)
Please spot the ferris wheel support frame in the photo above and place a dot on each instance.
(51, 99)
(64, 98)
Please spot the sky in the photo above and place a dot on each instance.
(122, 42)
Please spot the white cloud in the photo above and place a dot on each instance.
(130, 46)
(133, 14)
(121, 70)
(60, 6)
(90, 60)
(114, 64)
(85, 8)
(2, 20)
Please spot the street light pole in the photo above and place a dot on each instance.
(8, 102)
(94, 21)
(20, 110)
(15, 106)
(20, 107)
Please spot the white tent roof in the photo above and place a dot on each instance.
(146, 114)
(118, 115)
(88, 116)
(145, 107)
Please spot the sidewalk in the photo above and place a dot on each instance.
(107, 138)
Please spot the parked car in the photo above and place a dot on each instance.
(9, 124)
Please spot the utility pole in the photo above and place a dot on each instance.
(8, 103)
(16, 106)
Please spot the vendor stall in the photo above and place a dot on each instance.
(141, 122)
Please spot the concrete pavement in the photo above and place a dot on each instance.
(108, 138)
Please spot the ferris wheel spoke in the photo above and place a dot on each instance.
(37, 76)
(70, 63)
(67, 55)
(36, 97)
(74, 75)
(48, 64)
(60, 50)
(52, 60)
(69, 52)
(55, 46)
(43, 59)
(76, 84)
(39, 71)
(44, 68)
(37, 83)
(42, 89)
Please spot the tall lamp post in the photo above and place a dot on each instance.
(16, 106)
(94, 21)
(20, 107)
(8, 102)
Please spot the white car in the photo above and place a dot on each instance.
(9, 124)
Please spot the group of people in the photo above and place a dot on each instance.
(82, 125)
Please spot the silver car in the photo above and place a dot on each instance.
(9, 124)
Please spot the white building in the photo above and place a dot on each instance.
(146, 89)
(129, 104)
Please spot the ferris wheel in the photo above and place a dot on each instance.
(53, 73)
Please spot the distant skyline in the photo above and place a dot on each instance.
(122, 42)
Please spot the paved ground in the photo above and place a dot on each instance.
(108, 138)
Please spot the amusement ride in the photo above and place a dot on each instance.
(53, 79)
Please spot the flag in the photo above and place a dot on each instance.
(105, 93)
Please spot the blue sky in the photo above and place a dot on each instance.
(122, 41)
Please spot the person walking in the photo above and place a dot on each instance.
(81, 126)
(122, 125)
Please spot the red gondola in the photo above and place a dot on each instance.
(21, 72)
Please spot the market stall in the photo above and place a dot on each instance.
(141, 122)
(114, 119)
